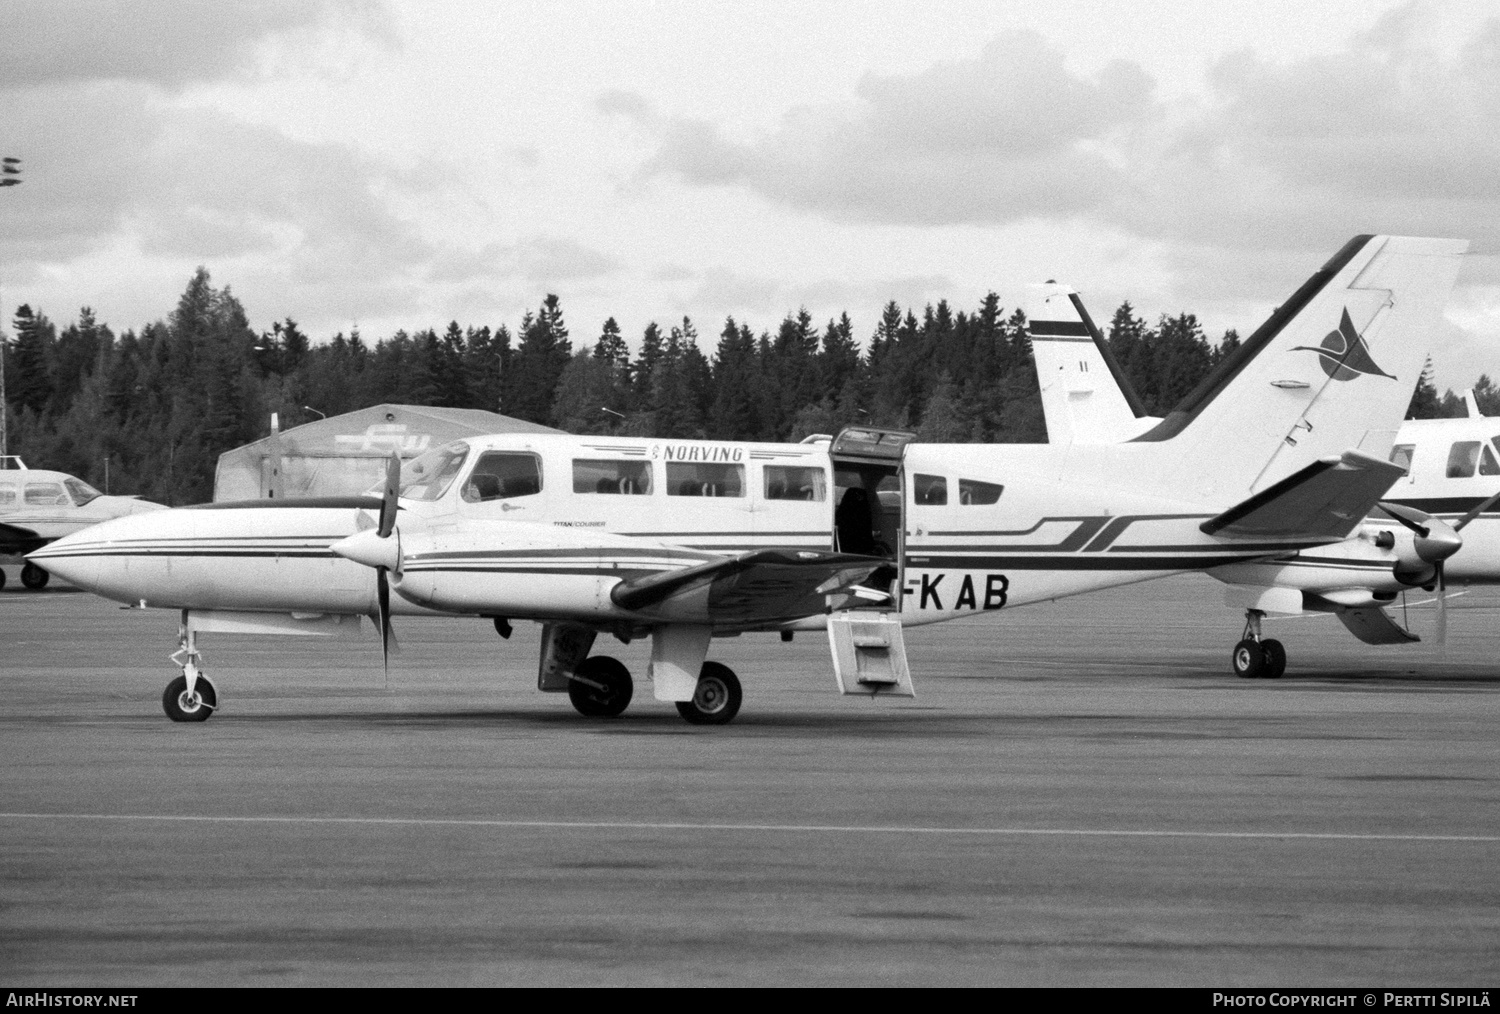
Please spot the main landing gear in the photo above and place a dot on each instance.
(190, 697)
(34, 577)
(601, 687)
(1257, 656)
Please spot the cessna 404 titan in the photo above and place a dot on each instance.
(38, 506)
(681, 541)
(1445, 502)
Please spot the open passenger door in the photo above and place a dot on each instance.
(869, 654)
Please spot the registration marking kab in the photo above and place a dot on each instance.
(644, 825)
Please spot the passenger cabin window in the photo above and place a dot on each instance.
(1487, 462)
(929, 489)
(47, 494)
(702, 478)
(501, 475)
(429, 476)
(627, 478)
(1401, 455)
(972, 491)
(7, 496)
(788, 483)
(1462, 457)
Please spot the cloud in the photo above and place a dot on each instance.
(1396, 131)
(1009, 135)
(544, 260)
(168, 43)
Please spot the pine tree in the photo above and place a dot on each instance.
(28, 377)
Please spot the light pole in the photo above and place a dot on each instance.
(10, 176)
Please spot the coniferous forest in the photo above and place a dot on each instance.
(149, 411)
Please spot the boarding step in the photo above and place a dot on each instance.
(869, 653)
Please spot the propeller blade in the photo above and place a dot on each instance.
(1486, 505)
(388, 496)
(1442, 609)
(383, 599)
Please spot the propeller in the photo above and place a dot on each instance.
(375, 548)
(1433, 542)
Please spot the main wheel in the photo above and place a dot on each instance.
(34, 577)
(2, 577)
(608, 702)
(717, 699)
(182, 707)
(1275, 658)
(1248, 659)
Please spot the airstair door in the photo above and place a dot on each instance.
(870, 513)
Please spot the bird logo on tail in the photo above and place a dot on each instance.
(1344, 354)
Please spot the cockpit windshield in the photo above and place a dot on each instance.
(82, 491)
(428, 477)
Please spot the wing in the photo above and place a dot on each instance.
(758, 587)
(15, 540)
(1326, 500)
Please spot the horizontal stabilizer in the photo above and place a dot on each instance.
(1373, 625)
(1325, 500)
(759, 586)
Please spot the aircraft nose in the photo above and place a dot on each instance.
(66, 559)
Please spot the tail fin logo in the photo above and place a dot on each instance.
(1344, 354)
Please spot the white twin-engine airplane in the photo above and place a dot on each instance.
(683, 540)
(1452, 474)
(38, 506)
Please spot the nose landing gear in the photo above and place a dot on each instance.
(190, 697)
(1257, 656)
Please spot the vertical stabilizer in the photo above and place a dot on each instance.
(1332, 370)
(1086, 397)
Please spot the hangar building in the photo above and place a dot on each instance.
(345, 454)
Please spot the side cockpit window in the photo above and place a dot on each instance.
(972, 492)
(1463, 456)
(503, 475)
(1401, 455)
(47, 494)
(620, 478)
(1488, 464)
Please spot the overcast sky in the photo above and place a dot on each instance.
(400, 165)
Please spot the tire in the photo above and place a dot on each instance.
(1275, 658)
(1247, 659)
(2, 577)
(717, 699)
(180, 710)
(592, 702)
(34, 577)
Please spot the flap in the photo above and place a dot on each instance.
(1326, 500)
(763, 585)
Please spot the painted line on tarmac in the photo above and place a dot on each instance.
(611, 825)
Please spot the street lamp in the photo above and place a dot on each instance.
(10, 176)
(321, 415)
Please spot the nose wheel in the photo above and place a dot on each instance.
(184, 705)
(1256, 656)
(34, 577)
